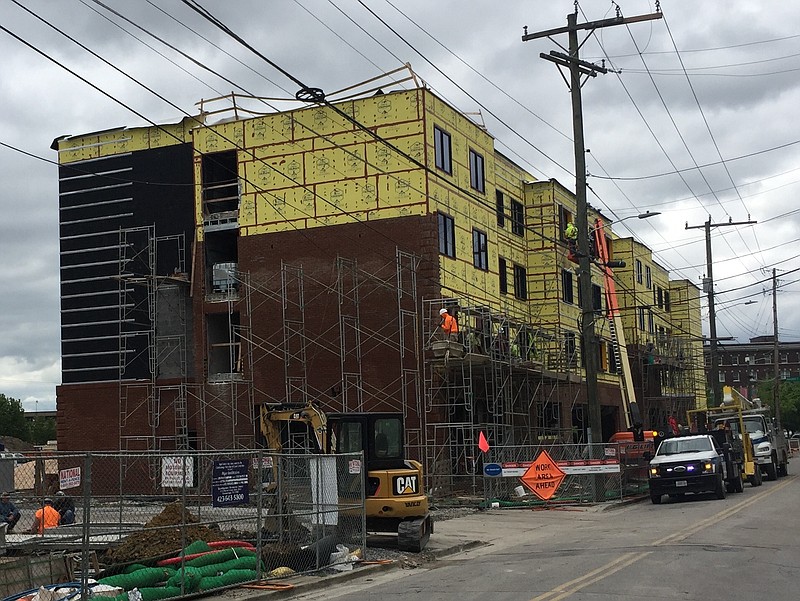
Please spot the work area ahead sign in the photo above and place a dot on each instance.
(543, 477)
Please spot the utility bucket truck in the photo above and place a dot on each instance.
(633, 418)
(770, 447)
(729, 417)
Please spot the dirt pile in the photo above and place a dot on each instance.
(163, 535)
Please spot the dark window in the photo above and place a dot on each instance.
(564, 217)
(597, 296)
(520, 282)
(501, 266)
(569, 349)
(638, 271)
(566, 286)
(641, 318)
(651, 324)
(480, 256)
(500, 209)
(660, 298)
(612, 359)
(442, 150)
(666, 301)
(517, 218)
(476, 179)
(220, 182)
(447, 235)
(648, 276)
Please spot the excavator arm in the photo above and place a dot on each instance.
(305, 414)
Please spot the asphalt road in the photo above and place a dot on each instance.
(743, 548)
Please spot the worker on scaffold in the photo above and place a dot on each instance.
(449, 325)
(571, 234)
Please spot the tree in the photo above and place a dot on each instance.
(12, 418)
(42, 430)
(789, 394)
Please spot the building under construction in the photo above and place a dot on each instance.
(251, 256)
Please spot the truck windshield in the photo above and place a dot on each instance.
(673, 446)
(753, 424)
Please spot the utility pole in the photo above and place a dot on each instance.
(713, 374)
(577, 68)
(776, 384)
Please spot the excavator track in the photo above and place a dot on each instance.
(413, 535)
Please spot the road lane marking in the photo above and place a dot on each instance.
(588, 576)
(721, 515)
(573, 586)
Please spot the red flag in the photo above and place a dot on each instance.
(483, 444)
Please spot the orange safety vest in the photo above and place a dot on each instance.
(47, 518)
(449, 324)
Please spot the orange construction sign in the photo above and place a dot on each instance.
(543, 477)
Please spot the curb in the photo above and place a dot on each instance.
(308, 582)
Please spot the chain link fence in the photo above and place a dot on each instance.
(180, 523)
(592, 473)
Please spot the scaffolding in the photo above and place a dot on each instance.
(154, 390)
(505, 376)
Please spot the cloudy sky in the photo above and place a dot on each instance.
(698, 120)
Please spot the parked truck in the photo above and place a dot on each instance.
(770, 447)
(729, 417)
(699, 463)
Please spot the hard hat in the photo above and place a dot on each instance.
(60, 493)
(442, 311)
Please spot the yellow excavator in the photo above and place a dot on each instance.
(394, 496)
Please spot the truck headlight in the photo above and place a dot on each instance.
(764, 448)
(654, 472)
(708, 467)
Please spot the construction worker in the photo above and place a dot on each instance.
(46, 517)
(571, 234)
(449, 325)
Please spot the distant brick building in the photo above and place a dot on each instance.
(745, 366)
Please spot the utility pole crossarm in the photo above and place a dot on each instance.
(590, 25)
(700, 227)
(566, 63)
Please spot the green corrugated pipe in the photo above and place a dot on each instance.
(142, 577)
(198, 546)
(227, 579)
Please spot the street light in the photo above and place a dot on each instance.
(646, 215)
(726, 307)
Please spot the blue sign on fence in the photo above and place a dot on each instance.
(229, 483)
(492, 469)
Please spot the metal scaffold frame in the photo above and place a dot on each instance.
(348, 338)
(229, 397)
(500, 377)
(166, 347)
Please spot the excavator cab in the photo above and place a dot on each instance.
(394, 496)
(378, 435)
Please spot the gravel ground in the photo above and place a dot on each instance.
(384, 547)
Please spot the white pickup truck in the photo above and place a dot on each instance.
(694, 464)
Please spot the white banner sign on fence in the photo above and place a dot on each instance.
(69, 478)
(176, 471)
